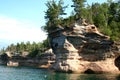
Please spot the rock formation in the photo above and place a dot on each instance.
(13, 59)
(83, 49)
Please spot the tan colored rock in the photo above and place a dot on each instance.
(84, 49)
(13, 64)
(9, 54)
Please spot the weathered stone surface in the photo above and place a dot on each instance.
(84, 49)
(14, 64)
(44, 61)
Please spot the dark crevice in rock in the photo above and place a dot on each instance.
(117, 62)
(89, 71)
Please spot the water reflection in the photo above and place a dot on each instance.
(26, 73)
(66, 76)
(97, 77)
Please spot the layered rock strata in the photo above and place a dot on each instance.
(83, 49)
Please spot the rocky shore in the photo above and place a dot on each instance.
(44, 61)
(83, 49)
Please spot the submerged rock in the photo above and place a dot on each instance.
(84, 49)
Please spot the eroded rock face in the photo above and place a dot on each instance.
(84, 49)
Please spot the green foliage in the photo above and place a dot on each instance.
(68, 21)
(105, 16)
(33, 48)
(2, 51)
(106, 31)
(33, 53)
(53, 14)
(45, 43)
(78, 7)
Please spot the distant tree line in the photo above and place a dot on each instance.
(105, 16)
(33, 48)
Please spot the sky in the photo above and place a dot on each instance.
(21, 20)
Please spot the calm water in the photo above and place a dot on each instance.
(25, 73)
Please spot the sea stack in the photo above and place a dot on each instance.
(81, 48)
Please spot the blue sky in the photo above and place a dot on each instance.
(20, 20)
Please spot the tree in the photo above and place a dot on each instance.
(28, 45)
(12, 47)
(22, 46)
(78, 8)
(53, 14)
(17, 47)
(114, 20)
(45, 43)
(113, 12)
(100, 15)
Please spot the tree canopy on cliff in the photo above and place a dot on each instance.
(53, 14)
(105, 16)
(79, 7)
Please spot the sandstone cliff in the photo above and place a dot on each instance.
(83, 49)
(44, 61)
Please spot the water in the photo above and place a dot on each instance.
(27, 73)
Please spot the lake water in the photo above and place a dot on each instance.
(27, 73)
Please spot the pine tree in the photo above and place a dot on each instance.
(53, 14)
(79, 8)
